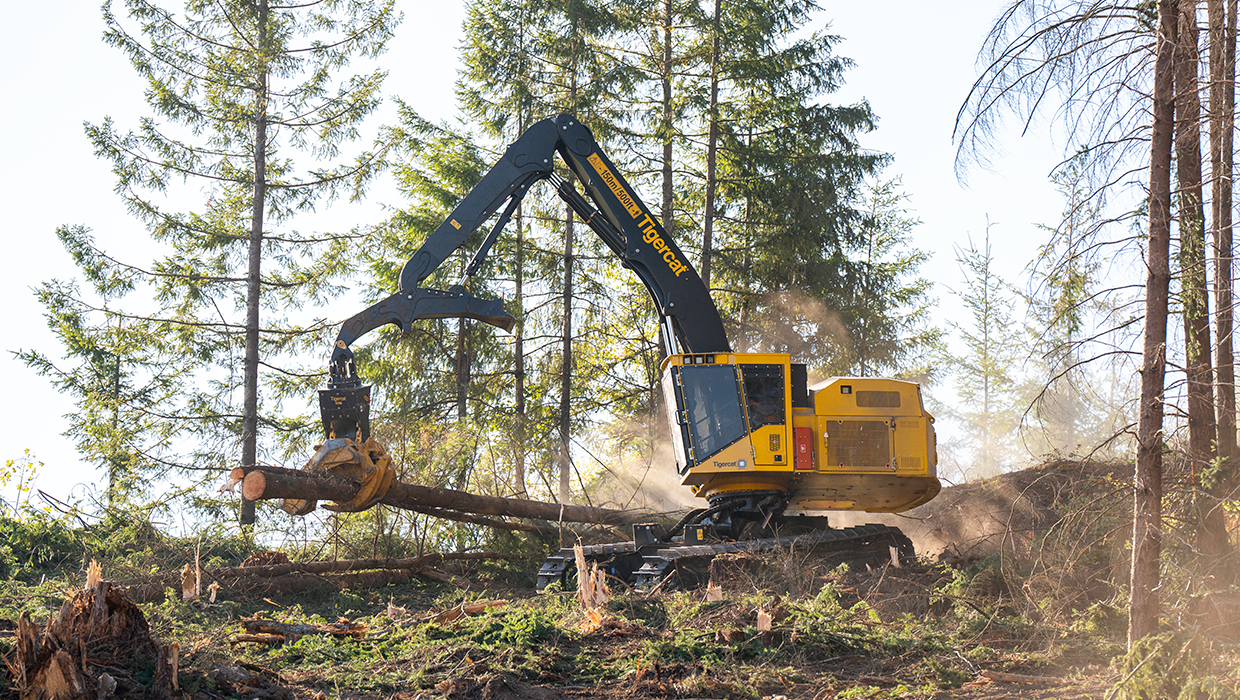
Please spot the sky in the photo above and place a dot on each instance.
(915, 62)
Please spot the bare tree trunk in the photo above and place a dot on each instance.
(1143, 609)
(1222, 17)
(665, 126)
(1195, 294)
(249, 408)
(519, 370)
(566, 358)
(712, 139)
(462, 369)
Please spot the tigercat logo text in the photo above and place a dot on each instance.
(650, 234)
(737, 464)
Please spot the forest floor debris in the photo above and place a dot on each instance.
(975, 623)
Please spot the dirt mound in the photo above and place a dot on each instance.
(1006, 513)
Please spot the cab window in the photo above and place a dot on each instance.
(712, 408)
(764, 395)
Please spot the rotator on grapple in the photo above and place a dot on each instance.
(768, 453)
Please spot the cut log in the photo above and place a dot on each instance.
(487, 522)
(324, 567)
(263, 482)
(342, 628)
(1000, 677)
(277, 579)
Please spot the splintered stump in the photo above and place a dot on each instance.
(97, 629)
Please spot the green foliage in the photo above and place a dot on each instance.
(520, 631)
(1172, 664)
(685, 646)
(947, 674)
(266, 126)
(985, 371)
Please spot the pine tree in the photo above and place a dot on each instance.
(238, 92)
(498, 89)
(985, 372)
(791, 183)
(888, 317)
(1060, 303)
(122, 372)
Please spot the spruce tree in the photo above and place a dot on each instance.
(792, 179)
(887, 316)
(985, 372)
(122, 372)
(247, 104)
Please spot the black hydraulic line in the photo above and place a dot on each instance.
(481, 254)
(591, 216)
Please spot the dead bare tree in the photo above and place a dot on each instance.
(1095, 65)
(1222, 32)
(1143, 608)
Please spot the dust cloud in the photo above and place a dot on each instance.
(638, 469)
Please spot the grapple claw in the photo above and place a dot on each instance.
(367, 463)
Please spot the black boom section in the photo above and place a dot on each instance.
(528, 159)
(673, 282)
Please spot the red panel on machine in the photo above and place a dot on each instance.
(804, 458)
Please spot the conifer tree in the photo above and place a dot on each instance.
(435, 388)
(985, 372)
(1062, 278)
(791, 183)
(888, 313)
(247, 103)
(498, 89)
(121, 372)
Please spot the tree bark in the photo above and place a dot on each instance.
(249, 410)
(712, 139)
(262, 482)
(1195, 295)
(665, 123)
(1143, 610)
(518, 468)
(1222, 18)
(566, 368)
(462, 366)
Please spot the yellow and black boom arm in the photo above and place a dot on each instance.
(613, 211)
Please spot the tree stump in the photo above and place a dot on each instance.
(98, 627)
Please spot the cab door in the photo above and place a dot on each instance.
(766, 408)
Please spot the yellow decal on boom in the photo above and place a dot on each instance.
(649, 233)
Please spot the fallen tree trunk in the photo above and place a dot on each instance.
(323, 567)
(488, 522)
(261, 482)
(301, 576)
(153, 591)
